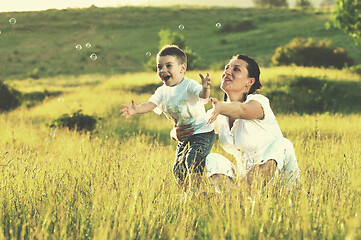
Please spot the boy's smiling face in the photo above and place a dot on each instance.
(170, 70)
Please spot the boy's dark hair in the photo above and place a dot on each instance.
(173, 50)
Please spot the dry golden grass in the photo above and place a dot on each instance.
(116, 183)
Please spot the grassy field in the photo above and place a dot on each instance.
(43, 44)
(116, 182)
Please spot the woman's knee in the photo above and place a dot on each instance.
(268, 168)
(221, 182)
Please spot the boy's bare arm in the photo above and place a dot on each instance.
(206, 86)
(131, 110)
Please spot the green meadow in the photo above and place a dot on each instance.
(116, 181)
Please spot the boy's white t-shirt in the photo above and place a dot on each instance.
(182, 103)
(247, 140)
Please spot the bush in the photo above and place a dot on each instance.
(9, 98)
(32, 98)
(223, 41)
(216, 66)
(313, 95)
(355, 69)
(35, 73)
(270, 3)
(78, 121)
(311, 53)
(245, 25)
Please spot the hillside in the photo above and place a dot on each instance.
(44, 43)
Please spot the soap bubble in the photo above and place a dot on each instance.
(12, 21)
(93, 56)
(88, 45)
(218, 25)
(48, 139)
(53, 129)
(78, 47)
(61, 99)
(148, 54)
(181, 27)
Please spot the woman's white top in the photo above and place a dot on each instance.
(182, 103)
(248, 140)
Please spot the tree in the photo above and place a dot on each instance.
(270, 3)
(174, 38)
(9, 98)
(348, 17)
(303, 3)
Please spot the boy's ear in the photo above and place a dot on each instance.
(184, 67)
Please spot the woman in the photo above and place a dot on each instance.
(247, 129)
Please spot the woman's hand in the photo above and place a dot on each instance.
(182, 133)
(216, 110)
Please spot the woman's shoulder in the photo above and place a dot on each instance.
(265, 103)
(263, 100)
(256, 96)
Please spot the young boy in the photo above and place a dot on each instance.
(181, 100)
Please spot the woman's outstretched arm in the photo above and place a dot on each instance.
(236, 110)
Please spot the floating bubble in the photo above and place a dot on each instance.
(53, 129)
(218, 25)
(12, 21)
(61, 99)
(53, 134)
(88, 45)
(181, 27)
(78, 47)
(48, 139)
(93, 56)
(148, 54)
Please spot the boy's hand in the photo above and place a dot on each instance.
(206, 86)
(128, 110)
(216, 110)
(206, 81)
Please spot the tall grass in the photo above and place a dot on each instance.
(116, 182)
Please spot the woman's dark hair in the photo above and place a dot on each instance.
(253, 72)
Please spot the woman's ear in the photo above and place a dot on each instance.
(252, 81)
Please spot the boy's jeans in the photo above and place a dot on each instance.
(191, 155)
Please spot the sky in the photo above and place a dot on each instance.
(36, 5)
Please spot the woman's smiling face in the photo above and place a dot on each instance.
(235, 77)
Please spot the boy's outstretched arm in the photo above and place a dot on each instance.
(131, 110)
(206, 86)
